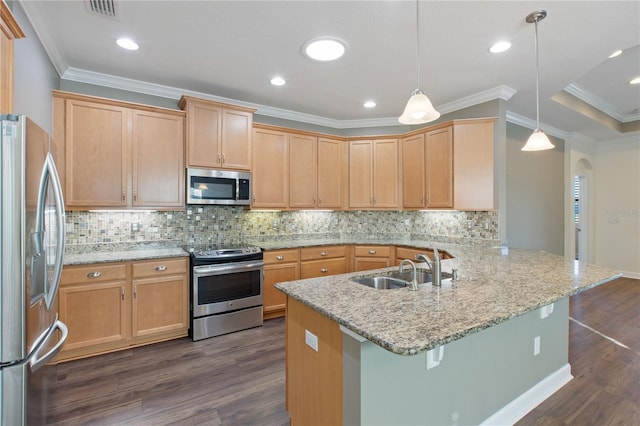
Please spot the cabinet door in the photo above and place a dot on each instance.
(9, 30)
(96, 155)
(274, 300)
(204, 135)
(302, 171)
(158, 164)
(270, 169)
(473, 166)
(96, 314)
(360, 174)
(236, 139)
(329, 174)
(413, 173)
(439, 166)
(385, 173)
(160, 305)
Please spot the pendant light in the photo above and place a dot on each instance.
(538, 141)
(419, 109)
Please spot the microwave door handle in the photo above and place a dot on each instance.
(237, 189)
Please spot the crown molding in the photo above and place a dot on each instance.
(107, 80)
(529, 123)
(599, 103)
(33, 12)
(631, 141)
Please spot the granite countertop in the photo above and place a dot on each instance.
(107, 254)
(493, 286)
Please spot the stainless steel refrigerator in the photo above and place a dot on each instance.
(32, 231)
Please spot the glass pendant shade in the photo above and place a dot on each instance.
(419, 109)
(538, 141)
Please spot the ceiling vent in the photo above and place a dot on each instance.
(105, 8)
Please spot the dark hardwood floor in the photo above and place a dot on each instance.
(239, 378)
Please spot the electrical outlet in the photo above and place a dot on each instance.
(311, 340)
(536, 346)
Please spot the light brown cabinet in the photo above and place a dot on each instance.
(372, 257)
(114, 306)
(330, 172)
(279, 266)
(373, 174)
(119, 155)
(450, 166)
(9, 30)
(270, 169)
(218, 135)
(323, 261)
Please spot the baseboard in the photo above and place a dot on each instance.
(519, 407)
(629, 274)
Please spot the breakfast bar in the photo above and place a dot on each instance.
(485, 348)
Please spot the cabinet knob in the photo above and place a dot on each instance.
(122, 292)
(224, 159)
(94, 274)
(323, 270)
(279, 257)
(372, 252)
(161, 268)
(124, 194)
(323, 253)
(135, 292)
(135, 195)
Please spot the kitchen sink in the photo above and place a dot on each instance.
(396, 279)
(381, 282)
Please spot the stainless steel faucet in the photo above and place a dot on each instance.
(434, 266)
(414, 281)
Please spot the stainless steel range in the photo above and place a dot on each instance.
(226, 290)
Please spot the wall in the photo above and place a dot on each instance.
(34, 75)
(535, 194)
(617, 206)
(210, 225)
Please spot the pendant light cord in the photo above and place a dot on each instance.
(537, 78)
(418, 44)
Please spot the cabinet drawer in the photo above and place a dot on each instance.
(98, 272)
(322, 252)
(410, 253)
(372, 251)
(160, 267)
(280, 256)
(321, 268)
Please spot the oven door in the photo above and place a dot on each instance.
(226, 287)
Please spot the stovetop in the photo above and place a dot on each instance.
(226, 253)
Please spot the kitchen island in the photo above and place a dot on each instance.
(486, 348)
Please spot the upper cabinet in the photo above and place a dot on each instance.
(373, 174)
(450, 166)
(9, 30)
(118, 154)
(218, 135)
(270, 169)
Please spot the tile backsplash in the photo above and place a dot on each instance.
(208, 225)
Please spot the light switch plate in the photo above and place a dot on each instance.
(311, 340)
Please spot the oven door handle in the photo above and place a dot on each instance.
(226, 268)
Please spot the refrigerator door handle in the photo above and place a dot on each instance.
(50, 174)
(35, 360)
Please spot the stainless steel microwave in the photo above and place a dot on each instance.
(222, 187)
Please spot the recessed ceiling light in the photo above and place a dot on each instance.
(278, 81)
(616, 53)
(369, 104)
(500, 47)
(324, 48)
(127, 43)
(635, 81)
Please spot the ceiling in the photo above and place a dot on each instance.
(231, 49)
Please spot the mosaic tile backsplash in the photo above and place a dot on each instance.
(211, 225)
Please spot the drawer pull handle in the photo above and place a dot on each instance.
(323, 253)
(324, 270)
(161, 268)
(279, 257)
(372, 252)
(94, 274)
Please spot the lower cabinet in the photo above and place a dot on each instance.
(371, 257)
(279, 266)
(114, 306)
(323, 261)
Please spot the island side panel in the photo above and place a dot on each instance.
(478, 375)
(314, 379)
